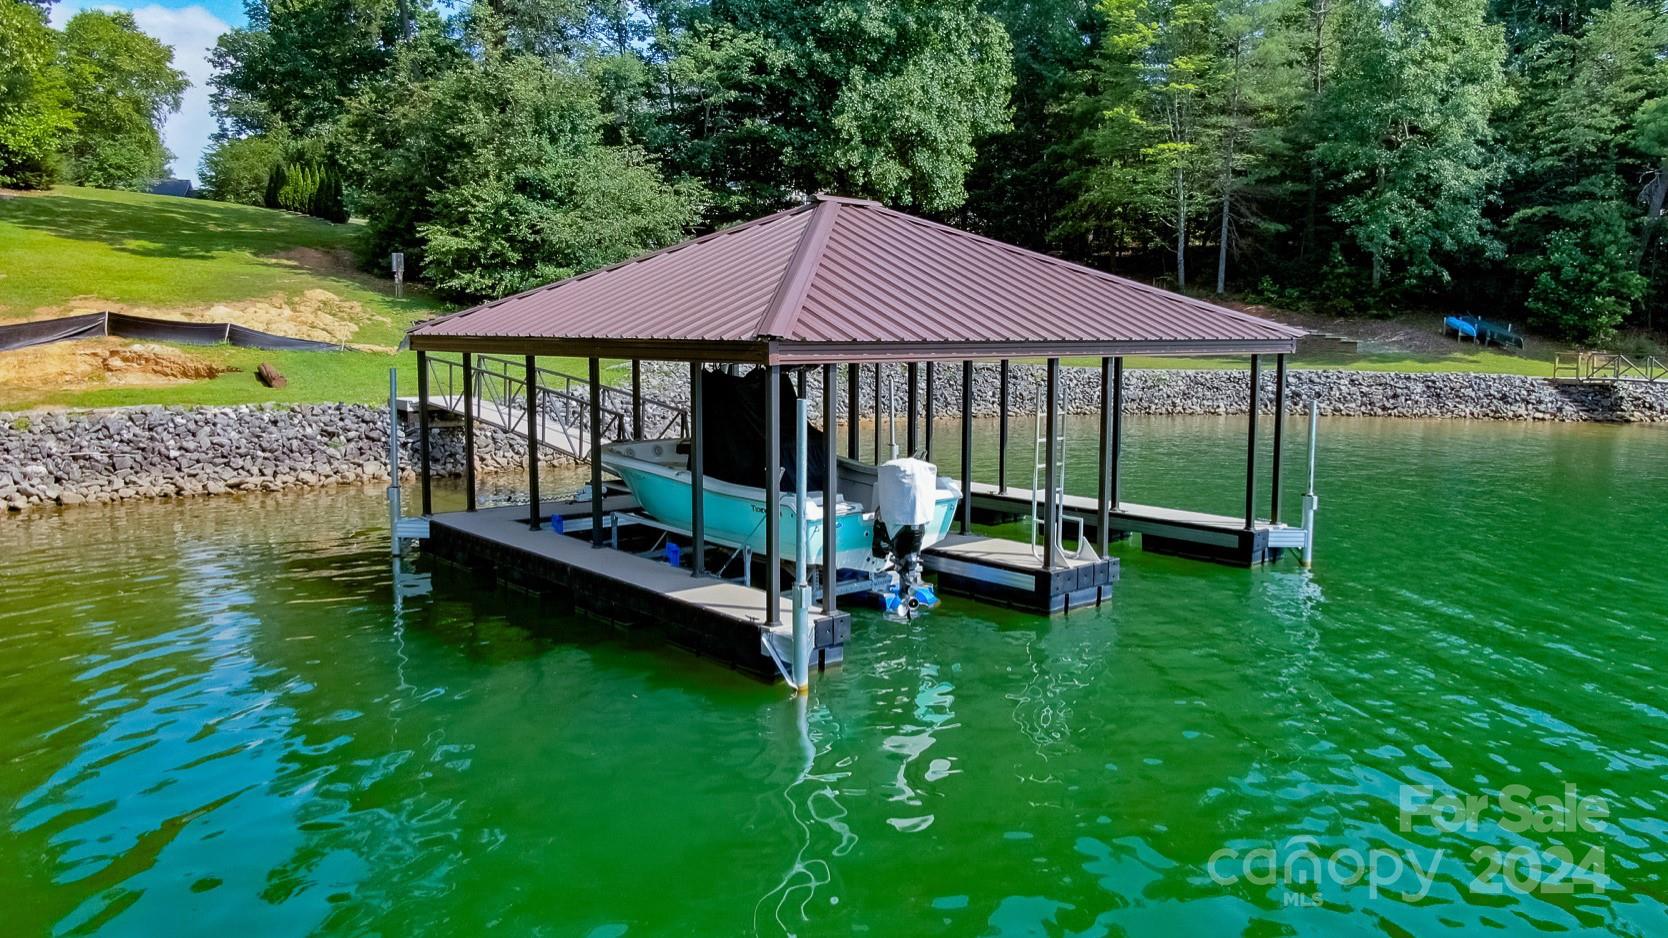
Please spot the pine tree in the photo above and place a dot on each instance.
(275, 185)
(1259, 93)
(1148, 149)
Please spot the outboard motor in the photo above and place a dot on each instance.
(906, 492)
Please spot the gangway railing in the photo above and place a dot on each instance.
(499, 399)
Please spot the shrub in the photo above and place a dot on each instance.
(1584, 282)
(239, 170)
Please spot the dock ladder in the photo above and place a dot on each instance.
(1040, 450)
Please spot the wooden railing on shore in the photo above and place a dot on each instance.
(1608, 366)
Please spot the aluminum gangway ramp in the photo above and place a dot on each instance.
(562, 400)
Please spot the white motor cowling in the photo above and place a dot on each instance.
(905, 492)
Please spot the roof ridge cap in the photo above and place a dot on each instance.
(646, 255)
(783, 312)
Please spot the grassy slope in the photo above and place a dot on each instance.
(160, 252)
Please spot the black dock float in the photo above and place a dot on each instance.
(993, 506)
(714, 618)
(996, 570)
(1193, 534)
(1196, 535)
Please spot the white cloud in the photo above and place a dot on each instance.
(191, 31)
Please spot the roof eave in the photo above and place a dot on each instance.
(740, 351)
(779, 352)
(822, 353)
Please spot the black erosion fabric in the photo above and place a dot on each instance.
(95, 325)
(40, 332)
(251, 338)
(164, 330)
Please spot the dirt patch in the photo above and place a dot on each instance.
(88, 363)
(316, 314)
(337, 261)
(1411, 333)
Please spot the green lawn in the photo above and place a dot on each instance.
(354, 377)
(160, 253)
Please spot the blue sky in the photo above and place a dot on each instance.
(191, 29)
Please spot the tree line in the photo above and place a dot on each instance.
(84, 105)
(1502, 157)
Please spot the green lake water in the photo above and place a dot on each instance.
(232, 716)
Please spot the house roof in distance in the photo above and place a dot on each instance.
(845, 280)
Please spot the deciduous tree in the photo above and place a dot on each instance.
(124, 85)
(35, 113)
(1410, 154)
(778, 99)
(490, 172)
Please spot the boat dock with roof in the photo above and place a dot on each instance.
(833, 285)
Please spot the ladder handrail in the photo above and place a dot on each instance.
(1039, 467)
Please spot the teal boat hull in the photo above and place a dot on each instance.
(734, 515)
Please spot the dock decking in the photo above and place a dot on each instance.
(711, 617)
(994, 569)
(1195, 534)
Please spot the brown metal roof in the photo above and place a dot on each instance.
(841, 280)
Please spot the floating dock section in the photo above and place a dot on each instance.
(1177, 532)
(1009, 573)
(718, 619)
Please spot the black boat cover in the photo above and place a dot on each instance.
(733, 428)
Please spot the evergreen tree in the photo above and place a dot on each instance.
(1159, 69)
(275, 184)
(1014, 190)
(239, 169)
(1589, 134)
